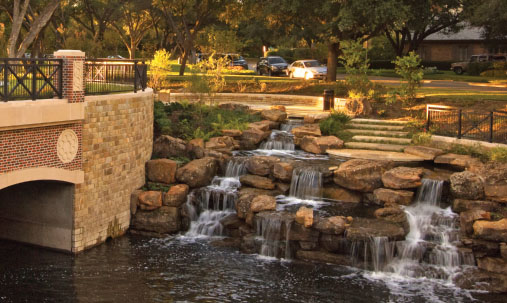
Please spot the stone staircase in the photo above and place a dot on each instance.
(376, 140)
(381, 135)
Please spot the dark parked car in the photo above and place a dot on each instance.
(235, 61)
(271, 65)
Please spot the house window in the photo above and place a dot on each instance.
(462, 53)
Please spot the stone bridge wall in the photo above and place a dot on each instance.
(117, 142)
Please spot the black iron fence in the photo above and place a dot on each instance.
(22, 79)
(470, 124)
(114, 75)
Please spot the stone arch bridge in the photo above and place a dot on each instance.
(68, 166)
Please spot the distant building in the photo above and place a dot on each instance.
(458, 46)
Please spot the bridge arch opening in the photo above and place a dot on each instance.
(38, 213)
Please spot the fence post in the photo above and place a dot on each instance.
(34, 80)
(144, 78)
(459, 124)
(60, 80)
(135, 76)
(6, 80)
(73, 74)
(428, 115)
(491, 127)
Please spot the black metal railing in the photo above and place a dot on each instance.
(470, 124)
(37, 78)
(104, 76)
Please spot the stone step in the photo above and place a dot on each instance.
(378, 121)
(375, 126)
(378, 133)
(375, 146)
(385, 140)
(373, 155)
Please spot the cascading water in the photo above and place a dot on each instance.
(215, 202)
(270, 229)
(279, 140)
(429, 250)
(306, 184)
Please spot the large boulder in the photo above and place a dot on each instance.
(195, 148)
(363, 229)
(467, 185)
(497, 265)
(319, 145)
(427, 153)
(361, 175)
(198, 173)
(304, 216)
(283, 171)
(495, 182)
(332, 225)
(235, 133)
(357, 107)
(261, 165)
(460, 205)
(333, 243)
(391, 196)
(392, 214)
(491, 230)
(335, 192)
(134, 201)
(176, 195)
(264, 125)
(263, 203)
(149, 200)
(467, 219)
(167, 146)
(402, 177)
(300, 233)
(257, 181)
(253, 136)
(161, 170)
(257, 191)
(224, 143)
(307, 130)
(458, 161)
(243, 204)
(274, 115)
(164, 220)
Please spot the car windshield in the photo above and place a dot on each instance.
(314, 63)
(276, 60)
(236, 57)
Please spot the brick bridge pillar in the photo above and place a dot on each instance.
(73, 74)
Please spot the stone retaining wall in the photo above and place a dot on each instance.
(117, 142)
(248, 99)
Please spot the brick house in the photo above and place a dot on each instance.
(458, 46)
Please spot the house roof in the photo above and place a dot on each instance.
(468, 33)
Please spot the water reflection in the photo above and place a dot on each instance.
(135, 269)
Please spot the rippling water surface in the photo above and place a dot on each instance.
(135, 269)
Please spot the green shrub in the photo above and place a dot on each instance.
(476, 151)
(162, 125)
(356, 66)
(409, 68)
(498, 154)
(421, 138)
(335, 125)
(476, 68)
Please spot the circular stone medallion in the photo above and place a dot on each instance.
(67, 146)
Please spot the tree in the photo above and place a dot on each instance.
(35, 25)
(186, 18)
(95, 15)
(489, 14)
(421, 19)
(134, 24)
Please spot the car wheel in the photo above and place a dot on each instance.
(458, 70)
(258, 71)
(306, 76)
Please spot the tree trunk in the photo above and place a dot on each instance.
(17, 20)
(183, 62)
(132, 50)
(332, 61)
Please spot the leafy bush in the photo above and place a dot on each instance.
(356, 66)
(159, 66)
(421, 138)
(473, 150)
(409, 68)
(335, 125)
(189, 121)
(162, 125)
(209, 77)
(498, 154)
(476, 68)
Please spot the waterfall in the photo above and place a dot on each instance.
(429, 249)
(215, 202)
(279, 140)
(270, 229)
(306, 184)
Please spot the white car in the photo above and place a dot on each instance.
(307, 69)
